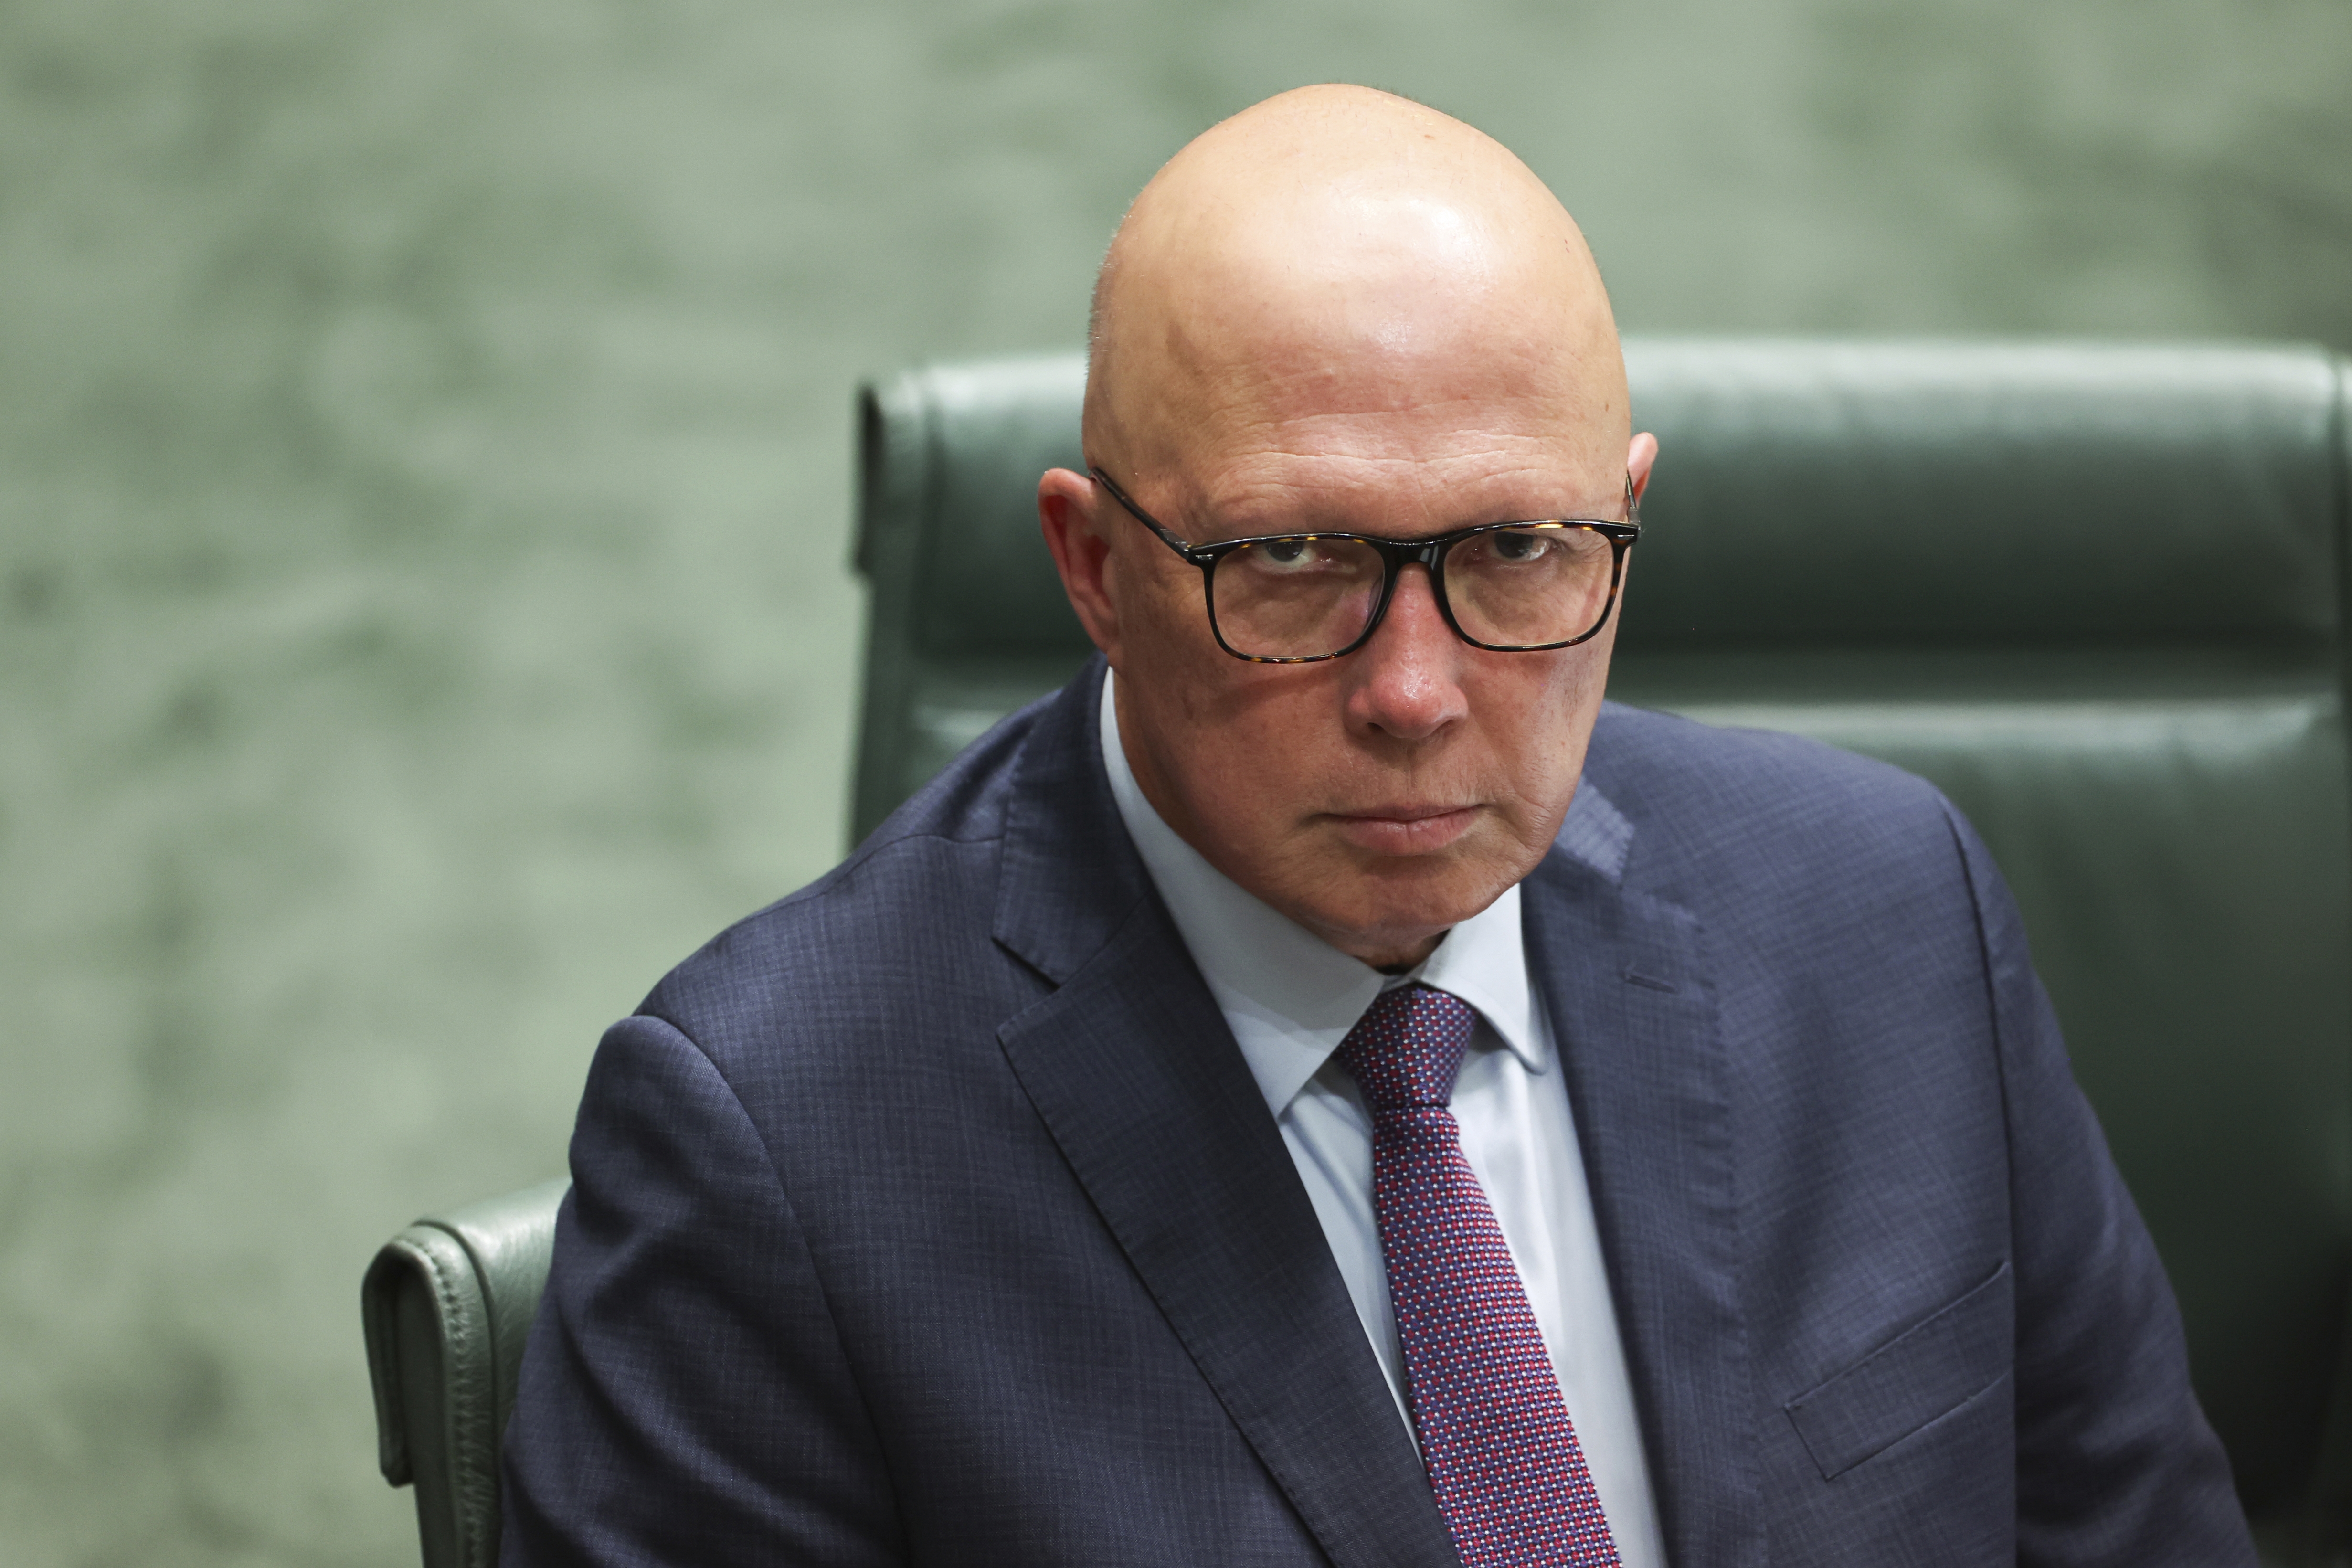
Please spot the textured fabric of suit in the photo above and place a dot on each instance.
(931, 1215)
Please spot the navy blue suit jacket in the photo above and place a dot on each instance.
(933, 1215)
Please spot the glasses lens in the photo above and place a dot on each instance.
(1298, 597)
(1524, 587)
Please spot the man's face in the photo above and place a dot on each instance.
(1381, 798)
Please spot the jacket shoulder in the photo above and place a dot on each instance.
(886, 928)
(1713, 806)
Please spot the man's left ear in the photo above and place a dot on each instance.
(1639, 457)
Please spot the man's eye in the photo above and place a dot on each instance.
(1520, 546)
(1293, 552)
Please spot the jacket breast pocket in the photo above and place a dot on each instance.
(1928, 1370)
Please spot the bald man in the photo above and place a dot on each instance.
(1326, 1088)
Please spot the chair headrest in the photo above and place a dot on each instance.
(1808, 494)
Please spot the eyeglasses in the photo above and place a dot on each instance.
(1509, 587)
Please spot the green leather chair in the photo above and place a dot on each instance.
(2095, 592)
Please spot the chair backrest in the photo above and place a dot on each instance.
(2095, 592)
(447, 1305)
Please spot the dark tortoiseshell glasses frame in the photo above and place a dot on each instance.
(1395, 555)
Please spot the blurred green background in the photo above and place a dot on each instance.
(424, 500)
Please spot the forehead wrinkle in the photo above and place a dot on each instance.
(1382, 495)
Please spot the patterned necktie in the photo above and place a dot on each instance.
(1502, 1455)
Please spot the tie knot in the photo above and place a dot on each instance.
(1406, 1048)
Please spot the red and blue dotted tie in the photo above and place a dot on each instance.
(1502, 1454)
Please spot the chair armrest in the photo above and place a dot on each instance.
(447, 1305)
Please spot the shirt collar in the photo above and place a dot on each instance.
(1290, 997)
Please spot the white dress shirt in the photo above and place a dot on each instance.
(1291, 997)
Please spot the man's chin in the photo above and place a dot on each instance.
(1398, 904)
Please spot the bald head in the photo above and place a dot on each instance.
(1339, 250)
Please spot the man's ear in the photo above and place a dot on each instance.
(1070, 510)
(1639, 458)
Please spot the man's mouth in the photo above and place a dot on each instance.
(1412, 827)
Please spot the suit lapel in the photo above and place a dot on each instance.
(1624, 977)
(1138, 1080)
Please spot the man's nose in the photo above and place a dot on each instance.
(1406, 681)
